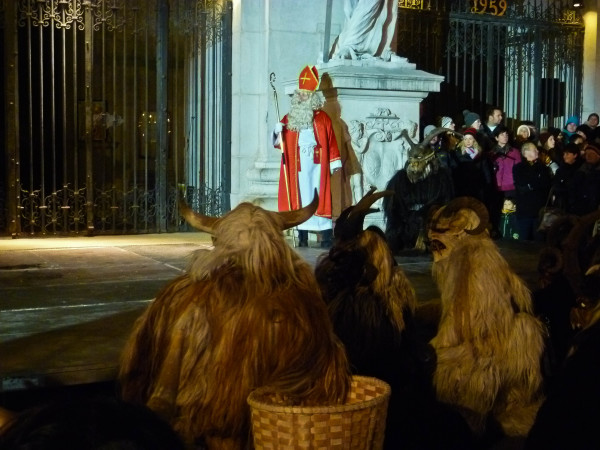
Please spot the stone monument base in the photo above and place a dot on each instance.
(374, 106)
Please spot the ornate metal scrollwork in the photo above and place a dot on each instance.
(68, 12)
(109, 13)
(64, 211)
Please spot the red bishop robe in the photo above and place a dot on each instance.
(325, 152)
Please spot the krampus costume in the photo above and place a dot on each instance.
(370, 300)
(371, 303)
(422, 183)
(489, 345)
(570, 415)
(570, 286)
(568, 419)
(553, 301)
(248, 314)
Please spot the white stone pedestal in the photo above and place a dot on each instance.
(374, 106)
(263, 179)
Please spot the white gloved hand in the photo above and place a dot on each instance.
(278, 128)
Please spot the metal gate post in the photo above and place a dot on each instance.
(11, 118)
(89, 67)
(226, 108)
(489, 69)
(537, 72)
(162, 42)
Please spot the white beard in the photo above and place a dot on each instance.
(300, 116)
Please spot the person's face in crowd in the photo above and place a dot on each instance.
(551, 142)
(452, 126)
(509, 205)
(434, 140)
(569, 158)
(571, 127)
(496, 117)
(469, 140)
(524, 133)
(502, 138)
(530, 153)
(593, 121)
(591, 156)
(476, 124)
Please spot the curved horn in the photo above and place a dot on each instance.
(197, 220)
(363, 205)
(406, 136)
(351, 221)
(436, 131)
(297, 216)
(472, 204)
(365, 202)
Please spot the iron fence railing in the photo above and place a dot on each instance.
(525, 56)
(137, 213)
(106, 129)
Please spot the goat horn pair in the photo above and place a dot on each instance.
(469, 203)
(208, 223)
(351, 220)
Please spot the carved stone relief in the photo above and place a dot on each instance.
(381, 148)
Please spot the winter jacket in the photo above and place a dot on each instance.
(532, 184)
(503, 160)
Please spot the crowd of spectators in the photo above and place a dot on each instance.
(529, 168)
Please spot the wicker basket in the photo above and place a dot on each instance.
(357, 424)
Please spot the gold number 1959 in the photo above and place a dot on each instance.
(494, 7)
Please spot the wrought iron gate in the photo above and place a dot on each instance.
(115, 106)
(524, 56)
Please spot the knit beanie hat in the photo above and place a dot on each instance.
(446, 121)
(471, 131)
(470, 117)
(572, 119)
(524, 128)
(428, 129)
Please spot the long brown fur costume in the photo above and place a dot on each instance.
(372, 303)
(247, 314)
(488, 345)
(367, 293)
(569, 417)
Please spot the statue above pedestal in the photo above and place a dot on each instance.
(368, 31)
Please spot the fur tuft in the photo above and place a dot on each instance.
(489, 346)
(369, 300)
(248, 314)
